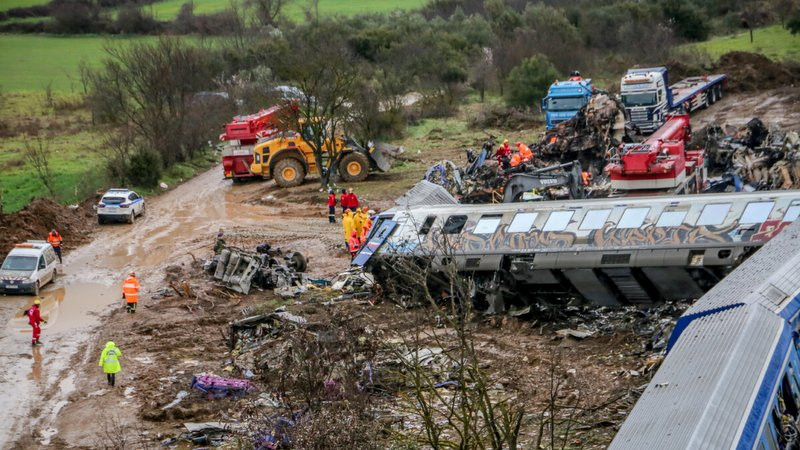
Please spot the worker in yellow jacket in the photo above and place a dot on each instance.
(348, 223)
(358, 220)
(109, 361)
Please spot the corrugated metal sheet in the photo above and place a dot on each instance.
(425, 193)
(701, 394)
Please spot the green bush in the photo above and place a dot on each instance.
(529, 81)
(144, 169)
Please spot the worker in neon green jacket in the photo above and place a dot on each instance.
(109, 361)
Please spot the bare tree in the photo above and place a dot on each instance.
(152, 89)
(321, 65)
(482, 72)
(312, 11)
(37, 153)
(267, 12)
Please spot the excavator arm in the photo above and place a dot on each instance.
(568, 174)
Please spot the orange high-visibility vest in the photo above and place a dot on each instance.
(585, 178)
(516, 160)
(54, 239)
(525, 152)
(355, 245)
(131, 290)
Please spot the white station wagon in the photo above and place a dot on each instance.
(120, 205)
(28, 267)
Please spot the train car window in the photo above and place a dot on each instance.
(791, 213)
(714, 214)
(522, 223)
(756, 212)
(558, 220)
(487, 225)
(633, 217)
(595, 219)
(426, 226)
(454, 224)
(671, 219)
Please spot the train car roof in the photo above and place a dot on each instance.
(596, 202)
(724, 358)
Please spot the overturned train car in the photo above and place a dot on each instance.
(614, 251)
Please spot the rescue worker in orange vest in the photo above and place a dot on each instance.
(130, 292)
(587, 178)
(55, 240)
(525, 152)
(354, 244)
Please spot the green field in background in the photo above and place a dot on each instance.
(9, 4)
(774, 41)
(168, 9)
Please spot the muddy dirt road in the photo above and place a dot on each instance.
(38, 381)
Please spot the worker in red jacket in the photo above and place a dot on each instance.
(504, 151)
(353, 200)
(331, 206)
(34, 319)
(345, 200)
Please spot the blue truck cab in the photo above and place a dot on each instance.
(564, 100)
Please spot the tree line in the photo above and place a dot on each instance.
(169, 99)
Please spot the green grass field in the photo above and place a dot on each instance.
(168, 9)
(774, 41)
(9, 4)
(76, 165)
(30, 62)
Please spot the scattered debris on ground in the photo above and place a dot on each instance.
(582, 143)
(753, 157)
(239, 270)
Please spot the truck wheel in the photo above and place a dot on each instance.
(100, 220)
(289, 172)
(354, 166)
(712, 96)
(719, 92)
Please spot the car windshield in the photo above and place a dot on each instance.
(113, 200)
(564, 104)
(639, 99)
(26, 263)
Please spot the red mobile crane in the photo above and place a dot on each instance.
(660, 163)
(242, 133)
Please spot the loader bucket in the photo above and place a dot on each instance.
(383, 155)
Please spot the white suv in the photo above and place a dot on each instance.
(28, 267)
(120, 204)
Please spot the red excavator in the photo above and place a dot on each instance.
(661, 163)
(241, 135)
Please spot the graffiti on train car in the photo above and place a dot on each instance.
(650, 234)
(765, 231)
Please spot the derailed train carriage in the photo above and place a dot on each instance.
(731, 377)
(613, 251)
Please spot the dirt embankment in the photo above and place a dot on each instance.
(747, 72)
(42, 215)
(750, 72)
